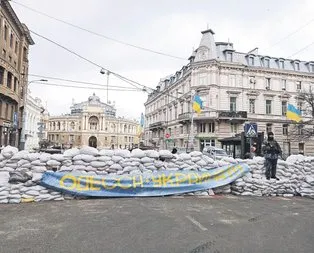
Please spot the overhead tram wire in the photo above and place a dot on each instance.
(85, 87)
(91, 62)
(290, 34)
(302, 49)
(99, 34)
(81, 82)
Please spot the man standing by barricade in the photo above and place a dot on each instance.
(271, 151)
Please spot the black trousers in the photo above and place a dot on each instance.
(271, 167)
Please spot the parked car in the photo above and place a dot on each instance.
(215, 153)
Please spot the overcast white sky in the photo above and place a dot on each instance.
(169, 26)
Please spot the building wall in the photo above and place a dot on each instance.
(14, 46)
(220, 81)
(90, 120)
(34, 110)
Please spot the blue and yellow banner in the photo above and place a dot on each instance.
(293, 113)
(197, 104)
(161, 183)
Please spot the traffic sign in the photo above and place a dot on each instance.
(250, 130)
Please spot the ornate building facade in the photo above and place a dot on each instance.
(236, 88)
(14, 46)
(34, 116)
(93, 123)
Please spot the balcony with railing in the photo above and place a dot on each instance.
(204, 115)
(236, 115)
(157, 125)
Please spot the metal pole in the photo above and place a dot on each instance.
(191, 138)
(22, 139)
(251, 144)
(108, 86)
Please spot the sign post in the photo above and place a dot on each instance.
(250, 130)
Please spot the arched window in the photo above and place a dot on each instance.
(54, 125)
(129, 129)
(125, 128)
(58, 125)
(93, 123)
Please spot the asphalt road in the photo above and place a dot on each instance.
(189, 224)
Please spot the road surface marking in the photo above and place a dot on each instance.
(196, 223)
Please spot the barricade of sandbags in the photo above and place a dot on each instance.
(21, 172)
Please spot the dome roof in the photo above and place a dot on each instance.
(93, 98)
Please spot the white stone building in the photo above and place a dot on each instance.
(34, 110)
(236, 88)
(93, 123)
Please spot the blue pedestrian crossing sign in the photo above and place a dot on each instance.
(250, 130)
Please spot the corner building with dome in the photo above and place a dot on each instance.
(93, 123)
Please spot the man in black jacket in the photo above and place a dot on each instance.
(271, 151)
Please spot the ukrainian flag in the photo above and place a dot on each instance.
(197, 104)
(293, 113)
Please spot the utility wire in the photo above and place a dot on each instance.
(292, 33)
(83, 87)
(73, 81)
(302, 49)
(99, 34)
(134, 83)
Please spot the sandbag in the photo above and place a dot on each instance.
(137, 153)
(18, 177)
(89, 151)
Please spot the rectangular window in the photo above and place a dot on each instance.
(211, 128)
(267, 84)
(1, 74)
(282, 64)
(11, 40)
(297, 65)
(285, 129)
(16, 47)
(233, 128)
(298, 84)
(72, 138)
(268, 107)
(203, 79)
(233, 104)
(229, 56)
(5, 32)
(202, 128)
(252, 105)
(251, 61)
(232, 80)
(284, 84)
(9, 80)
(283, 108)
(6, 111)
(266, 63)
(181, 129)
(269, 127)
(301, 148)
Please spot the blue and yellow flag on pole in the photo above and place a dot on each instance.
(197, 104)
(293, 113)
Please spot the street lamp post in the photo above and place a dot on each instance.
(102, 71)
(22, 139)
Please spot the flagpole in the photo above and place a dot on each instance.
(191, 138)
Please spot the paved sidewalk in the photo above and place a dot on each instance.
(189, 224)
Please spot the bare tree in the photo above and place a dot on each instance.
(305, 128)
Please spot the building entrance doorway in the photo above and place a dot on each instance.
(92, 142)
